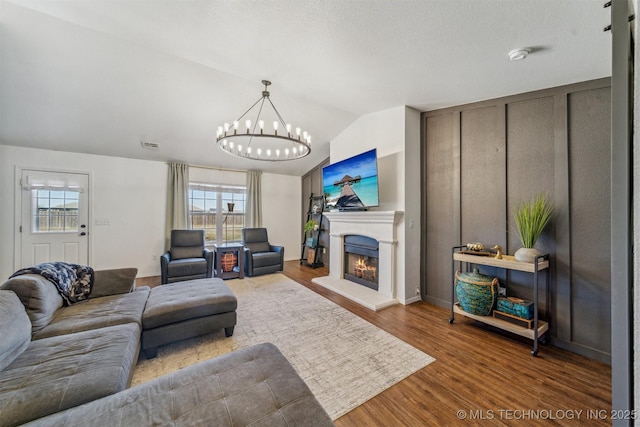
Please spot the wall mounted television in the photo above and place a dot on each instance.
(352, 184)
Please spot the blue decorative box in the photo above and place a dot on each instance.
(516, 307)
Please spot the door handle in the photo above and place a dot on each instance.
(83, 234)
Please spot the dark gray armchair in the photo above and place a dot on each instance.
(187, 259)
(260, 257)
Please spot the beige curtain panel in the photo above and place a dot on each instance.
(253, 209)
(177, 200)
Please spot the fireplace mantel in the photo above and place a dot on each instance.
(379, 225)
(371, 217)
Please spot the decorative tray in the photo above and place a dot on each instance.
(477, 253)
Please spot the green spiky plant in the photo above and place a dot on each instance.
(531, 219)
(309, 226)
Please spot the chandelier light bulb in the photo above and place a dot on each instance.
(236, 124)
(239, 148)
(294, 150)
(231, 144)
(268, 152)
(259, 151)
(261, 124)
(248, 124)
(286, 152)
(304, 135)
(288, 128)
(275, 126)
(226, 127)
(224, 142)
(298, 131)
(248, 150)
(277, 153)
(309, 139)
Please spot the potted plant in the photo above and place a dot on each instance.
(531, 219)
(309, 227)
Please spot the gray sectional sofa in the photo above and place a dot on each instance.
(72, 365)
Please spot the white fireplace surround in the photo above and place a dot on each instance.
(379, 225)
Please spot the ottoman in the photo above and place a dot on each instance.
(186, 309)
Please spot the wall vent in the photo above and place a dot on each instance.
(149, 145)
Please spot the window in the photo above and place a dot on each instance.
(209, 210)
(54, 211)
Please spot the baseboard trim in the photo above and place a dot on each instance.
(582, 350)
(437, 302)
(411, 300)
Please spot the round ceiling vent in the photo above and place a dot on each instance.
(519, 54)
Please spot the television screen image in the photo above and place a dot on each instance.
(352, 183)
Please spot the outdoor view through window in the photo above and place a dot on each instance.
(209, 210)
(55, 211)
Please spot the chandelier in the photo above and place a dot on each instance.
(257, 140)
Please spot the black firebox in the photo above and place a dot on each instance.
(361, 260)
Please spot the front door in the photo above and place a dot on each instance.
(55, 213)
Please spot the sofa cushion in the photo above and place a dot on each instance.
(114, 281)
(254, 386)
(187, 267)
(97, 313)
(258, 247)
(61, 372)
(186, 252)
(73, 281)
(15, 328)
(265, 259)
(38, 295)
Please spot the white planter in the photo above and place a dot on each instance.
(527, 254)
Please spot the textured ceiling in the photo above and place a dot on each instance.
(99, 76)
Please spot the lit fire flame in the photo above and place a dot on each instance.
(362, 269)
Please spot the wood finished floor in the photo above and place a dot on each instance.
(475, 370)
(488, 377)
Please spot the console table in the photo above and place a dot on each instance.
(508, 263)
(219, 250)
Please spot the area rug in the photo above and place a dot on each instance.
(344, 359)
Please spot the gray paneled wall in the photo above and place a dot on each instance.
(481, 160)
(312, 184)
(590, 216)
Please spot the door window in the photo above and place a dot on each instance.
(54, 211)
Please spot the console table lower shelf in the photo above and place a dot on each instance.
(543, 326)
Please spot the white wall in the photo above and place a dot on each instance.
(383, 130)
(281, 212)
(130, 195)
(395, 133)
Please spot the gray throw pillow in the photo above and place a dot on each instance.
(15, 328)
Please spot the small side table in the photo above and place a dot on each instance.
(223, 248)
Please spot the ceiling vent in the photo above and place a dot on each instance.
(519, 54)
(149, 145)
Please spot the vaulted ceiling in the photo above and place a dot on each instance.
(100, 76)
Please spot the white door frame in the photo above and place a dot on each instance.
(17, 212)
